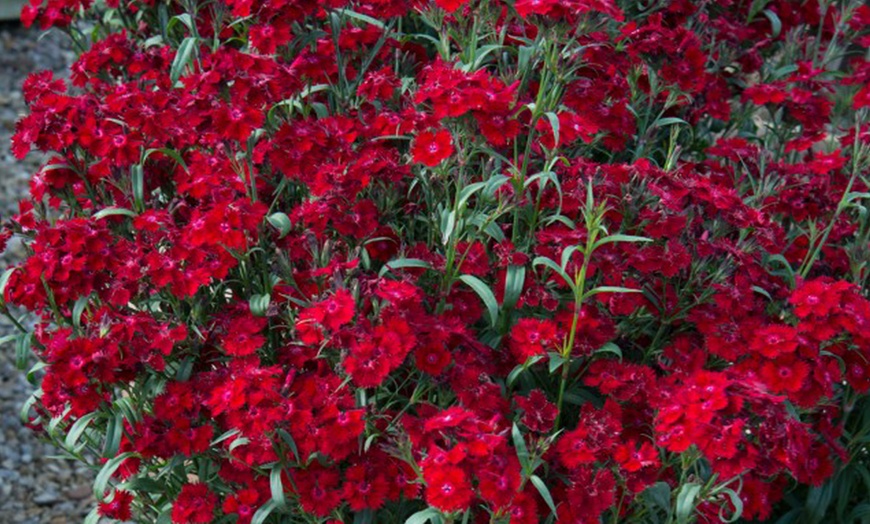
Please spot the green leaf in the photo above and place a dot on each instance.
(92, 518)
(514, 281)
(524, 56)
(137, 180)
(610, 289)
(281, 222)
(485, 295)
(544, 261)
(226, 435)
(182, 58)
(520, 446)
(467, 193)
(101, 484)
(22, 350)
(361, 17)
(4, 281)
(78, 310)
(516, 371)
(610, 347)
(762, 291)
(171, 153)
(76, 430)
(736, 501)
(400, 263)
(556, 361)
(113, 211)
(669, 121)
(545, 493)
(619, 238)
(686, 501)
(426, 515)
(775, 22)
(114, 430)
(276, 485)
(554, 123)
(288, 439)
(567, 253)
(259, 304)
(448, 224)
(263, 513)
(659, 494)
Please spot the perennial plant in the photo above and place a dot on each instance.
(452, 261)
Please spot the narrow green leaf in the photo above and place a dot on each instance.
(101, 484)
(259, 304)
(361, 17)
(619, 238)
(137, 180)
(92, 518)
(659, 494)
(520, 446)
(182, 58)
(669, 121)
(400, 263)
(78, 310)
(448, 224)
(4, 281)
(288, 439)
(424, 516)
(113, 211)
(544, 261)
(567, 253)
(22, 350)
(556, 361)
(485, 294)
(775, 22)
(226, 435)
(281, 222)
(610, 347)
(276, 485)
(114, 430)
(76, 430)
(514, 281)
(263, 513)
(516, 371)
(736, 501)
(610, 289)
(686, 501)
(467, 193)
(545, 493)
(554, 123)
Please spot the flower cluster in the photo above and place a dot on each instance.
(451, 261)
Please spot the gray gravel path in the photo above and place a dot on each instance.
(34, 488)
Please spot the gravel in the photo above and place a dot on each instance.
(34, 487)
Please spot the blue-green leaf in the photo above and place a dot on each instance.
(485, 294)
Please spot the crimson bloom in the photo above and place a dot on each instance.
(431, 148)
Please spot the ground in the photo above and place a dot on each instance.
(34, 488)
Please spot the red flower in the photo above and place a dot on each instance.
(449, 5)
(817, 297)
(319, 491)
(244, 504)
(532, 337)
(447, 488)
(775, 340)
(432, 358)
(118, 507)
(431, 148)
(632, 458)
(785, 374)
(194, 505)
